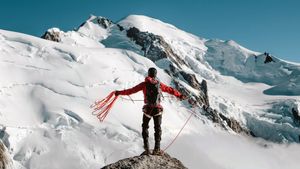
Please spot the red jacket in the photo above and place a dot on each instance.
(142, 86)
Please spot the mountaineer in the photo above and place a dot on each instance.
(152, 89)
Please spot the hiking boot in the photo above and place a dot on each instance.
(157, 152)
(146, 152)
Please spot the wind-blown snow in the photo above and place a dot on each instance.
(46, 89)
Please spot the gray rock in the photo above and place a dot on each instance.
(296, 114)
(268, 59)
(4, 137)
(154, 46)
(3, 157)
(194, 100)
(147, 162)
(52, 34)
(235, 125)
(191, 79)
(104, 22)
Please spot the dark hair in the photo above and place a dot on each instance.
(152, 72)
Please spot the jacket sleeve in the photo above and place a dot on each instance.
(169, 90)
(132, 90)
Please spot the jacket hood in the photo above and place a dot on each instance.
(151, 80)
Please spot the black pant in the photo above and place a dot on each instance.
(157, 131)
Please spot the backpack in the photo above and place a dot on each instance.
(153, 93)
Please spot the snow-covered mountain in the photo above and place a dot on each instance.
(46, 88)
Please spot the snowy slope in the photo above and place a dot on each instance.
(46, 89)
(233, 60)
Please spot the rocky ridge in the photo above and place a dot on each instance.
(148, 162)
(4, 160)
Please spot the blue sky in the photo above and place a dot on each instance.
(260, 25)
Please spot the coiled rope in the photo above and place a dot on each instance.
(102, 108)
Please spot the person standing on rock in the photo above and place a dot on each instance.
(152, 89)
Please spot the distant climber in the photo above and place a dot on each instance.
(152, 89)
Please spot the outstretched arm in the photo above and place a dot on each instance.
(170, 90)
(131, 90)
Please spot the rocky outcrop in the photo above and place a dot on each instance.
(235, 125)
(202, 100)
(226, 122)
(3, 157)
(104, 22)
(296, 115)
(101, 21)
(268, 59)
(202, 87)
(4, 136)
(147, 162)
(191, 79)
(213, 115)
(121, 28)
(195, 100)
(154, 46)
(52, 34)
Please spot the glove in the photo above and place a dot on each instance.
(182, 97)
(117, 93)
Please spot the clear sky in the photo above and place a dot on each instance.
(260, 25)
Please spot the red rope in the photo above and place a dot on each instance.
(169, 145)
(101, 108)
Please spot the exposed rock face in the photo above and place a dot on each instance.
(3, 157)
(4, 137)
(101, 21)
(52, 34)
(202, 100)
(104, 22)
(268, 59)
(193, 82)
(234, 125)
(295, 113)
(191, 79)
(213, 115)
(154, 46)
(195, 100)
(204, 89)
(147, 162)
(121, 28)
(226, 122)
